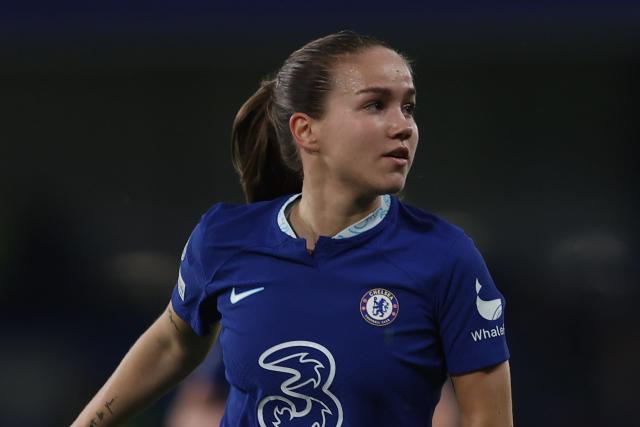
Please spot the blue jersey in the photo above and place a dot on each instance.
(361, 332)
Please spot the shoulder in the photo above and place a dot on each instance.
(230, 224)
(226, 228)
(224, 214)
(424, 228)
(420, 242)
(445, 247)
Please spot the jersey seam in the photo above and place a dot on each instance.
(208, 224)
(445, 277)
(390, 261)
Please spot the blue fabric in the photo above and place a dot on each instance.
(361, 332)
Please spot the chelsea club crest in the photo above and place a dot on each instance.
(379, 307)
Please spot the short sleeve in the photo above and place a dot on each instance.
(470, 312)
(190, 299)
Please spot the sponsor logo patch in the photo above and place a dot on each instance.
(485, 334)
(307, 370)
(489, 310)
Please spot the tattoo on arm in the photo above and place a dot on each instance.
(109, 403)
(175, 325)
(101, 414)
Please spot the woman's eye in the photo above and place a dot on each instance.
(374, 106)
(409, 108)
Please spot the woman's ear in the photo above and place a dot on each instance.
(302, 128)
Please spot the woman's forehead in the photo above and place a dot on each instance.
(376, 67)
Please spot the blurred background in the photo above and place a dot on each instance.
(114, 139)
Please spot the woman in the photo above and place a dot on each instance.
(339, 305)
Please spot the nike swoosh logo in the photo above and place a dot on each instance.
(234, 298)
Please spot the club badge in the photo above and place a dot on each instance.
(379, 307)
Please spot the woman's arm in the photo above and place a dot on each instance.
(484, 397)
(161, 357)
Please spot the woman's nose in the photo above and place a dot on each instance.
(400, 127)
(403, 133)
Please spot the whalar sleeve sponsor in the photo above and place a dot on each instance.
(470, 311)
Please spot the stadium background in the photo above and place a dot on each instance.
(114, 138)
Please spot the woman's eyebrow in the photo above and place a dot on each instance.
(383, 90)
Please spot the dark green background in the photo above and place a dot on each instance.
(114, 138)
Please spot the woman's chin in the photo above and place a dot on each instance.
(393, 186)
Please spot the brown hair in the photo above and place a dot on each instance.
(263, 150)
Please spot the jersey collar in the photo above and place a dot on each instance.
(367, 223)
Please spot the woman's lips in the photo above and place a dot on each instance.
(398, 160)
(399, 156)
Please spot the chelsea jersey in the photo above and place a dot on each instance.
(361, 332)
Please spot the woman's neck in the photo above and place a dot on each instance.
(326, 213)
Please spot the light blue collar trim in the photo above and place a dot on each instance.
(282, 218)
(367, 223)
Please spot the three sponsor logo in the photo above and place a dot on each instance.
(304, 394)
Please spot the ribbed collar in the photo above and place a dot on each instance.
(367, 223)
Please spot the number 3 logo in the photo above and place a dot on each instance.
(305, 393)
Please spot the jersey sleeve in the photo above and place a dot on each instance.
(470, 312)
(190, 299)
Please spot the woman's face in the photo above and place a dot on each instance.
(368, 137)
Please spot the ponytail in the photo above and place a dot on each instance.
(263, 150)
(256, 152)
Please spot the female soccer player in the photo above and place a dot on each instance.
(339, 305)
